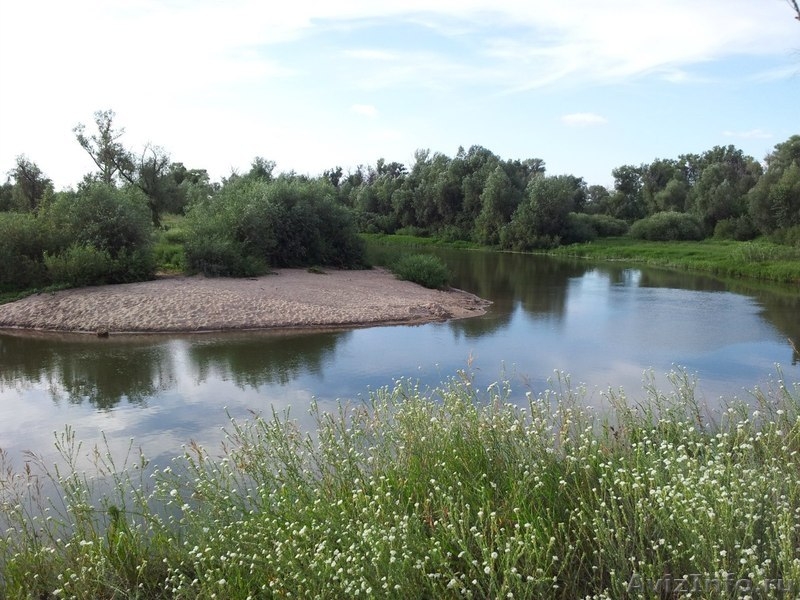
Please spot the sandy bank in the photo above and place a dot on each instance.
(289, 298)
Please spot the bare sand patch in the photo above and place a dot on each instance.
(286, 299)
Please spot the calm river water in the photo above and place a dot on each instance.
(605, 325)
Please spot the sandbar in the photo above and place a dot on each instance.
(284, 299)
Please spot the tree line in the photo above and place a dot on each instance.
(103, 231)
(479, 197)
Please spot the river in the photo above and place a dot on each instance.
(606, 325)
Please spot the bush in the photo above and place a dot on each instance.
(80, 265)
(102, 216)
(789, 236)
(740, 229)
(22, 246)
(251, 225)
(219, 257)
(667, 227)
(99, 225)
(579, 229)
(425, 269)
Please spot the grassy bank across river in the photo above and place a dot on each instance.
(754, 260)
(451, 493)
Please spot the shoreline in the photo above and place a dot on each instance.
(285, 300)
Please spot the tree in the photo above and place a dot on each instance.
(499, 200)
(774, 202)
(725, 177)
(261, 168)
(30, 184)
(104, 147)
(795, 7)
(627, 203)
(542, 219)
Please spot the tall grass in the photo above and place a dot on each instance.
(450, 493)
(761, 260)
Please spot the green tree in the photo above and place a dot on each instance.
(499, 199)
(774, 202)
(726, 175)
(542, 218)
(30, 185)
(627, 201)
(150, 172)
(104, 147)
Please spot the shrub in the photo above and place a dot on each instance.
(251, 225)
(789, 236)
(22, 246)
(219, 257)
(99, 225)
(736, 228)
(607, 226)
(425, 269)
(80, 265)
(103, 216)
(668, 226)
(579, 229)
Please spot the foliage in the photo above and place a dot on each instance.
(736, 228)
(456, 492)
(30, 185)
(114, 222)
(425, 269)
(22, 244)
(583, 227)
(789, 236)
(542, 218)
(756, 260)
(98, 234)
(774, 202)
(80, 265)
(255, 223)
(668, 227)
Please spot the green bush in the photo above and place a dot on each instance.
(425, 269)
(22, 245)
(667, 227)
(579, 229)
(219, 257)
(251, 225)
(740, 229)
(99, 226)
(789, 236)
(80, 265)
(103, 216)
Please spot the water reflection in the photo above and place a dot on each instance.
(258, 358)
(605, 324)
(80, 368)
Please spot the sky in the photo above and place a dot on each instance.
(586, 86)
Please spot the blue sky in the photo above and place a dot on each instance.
(584, 85)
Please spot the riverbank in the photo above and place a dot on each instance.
(452, 493)
(758, 260)
(285, 299)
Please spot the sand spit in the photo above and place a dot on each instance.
(285, 299)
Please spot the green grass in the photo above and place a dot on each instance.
(754, 260)
(450, 493)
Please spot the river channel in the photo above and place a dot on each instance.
(606, 325)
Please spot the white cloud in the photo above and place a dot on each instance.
(583, 119)
(365, 110)
(210, 81)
